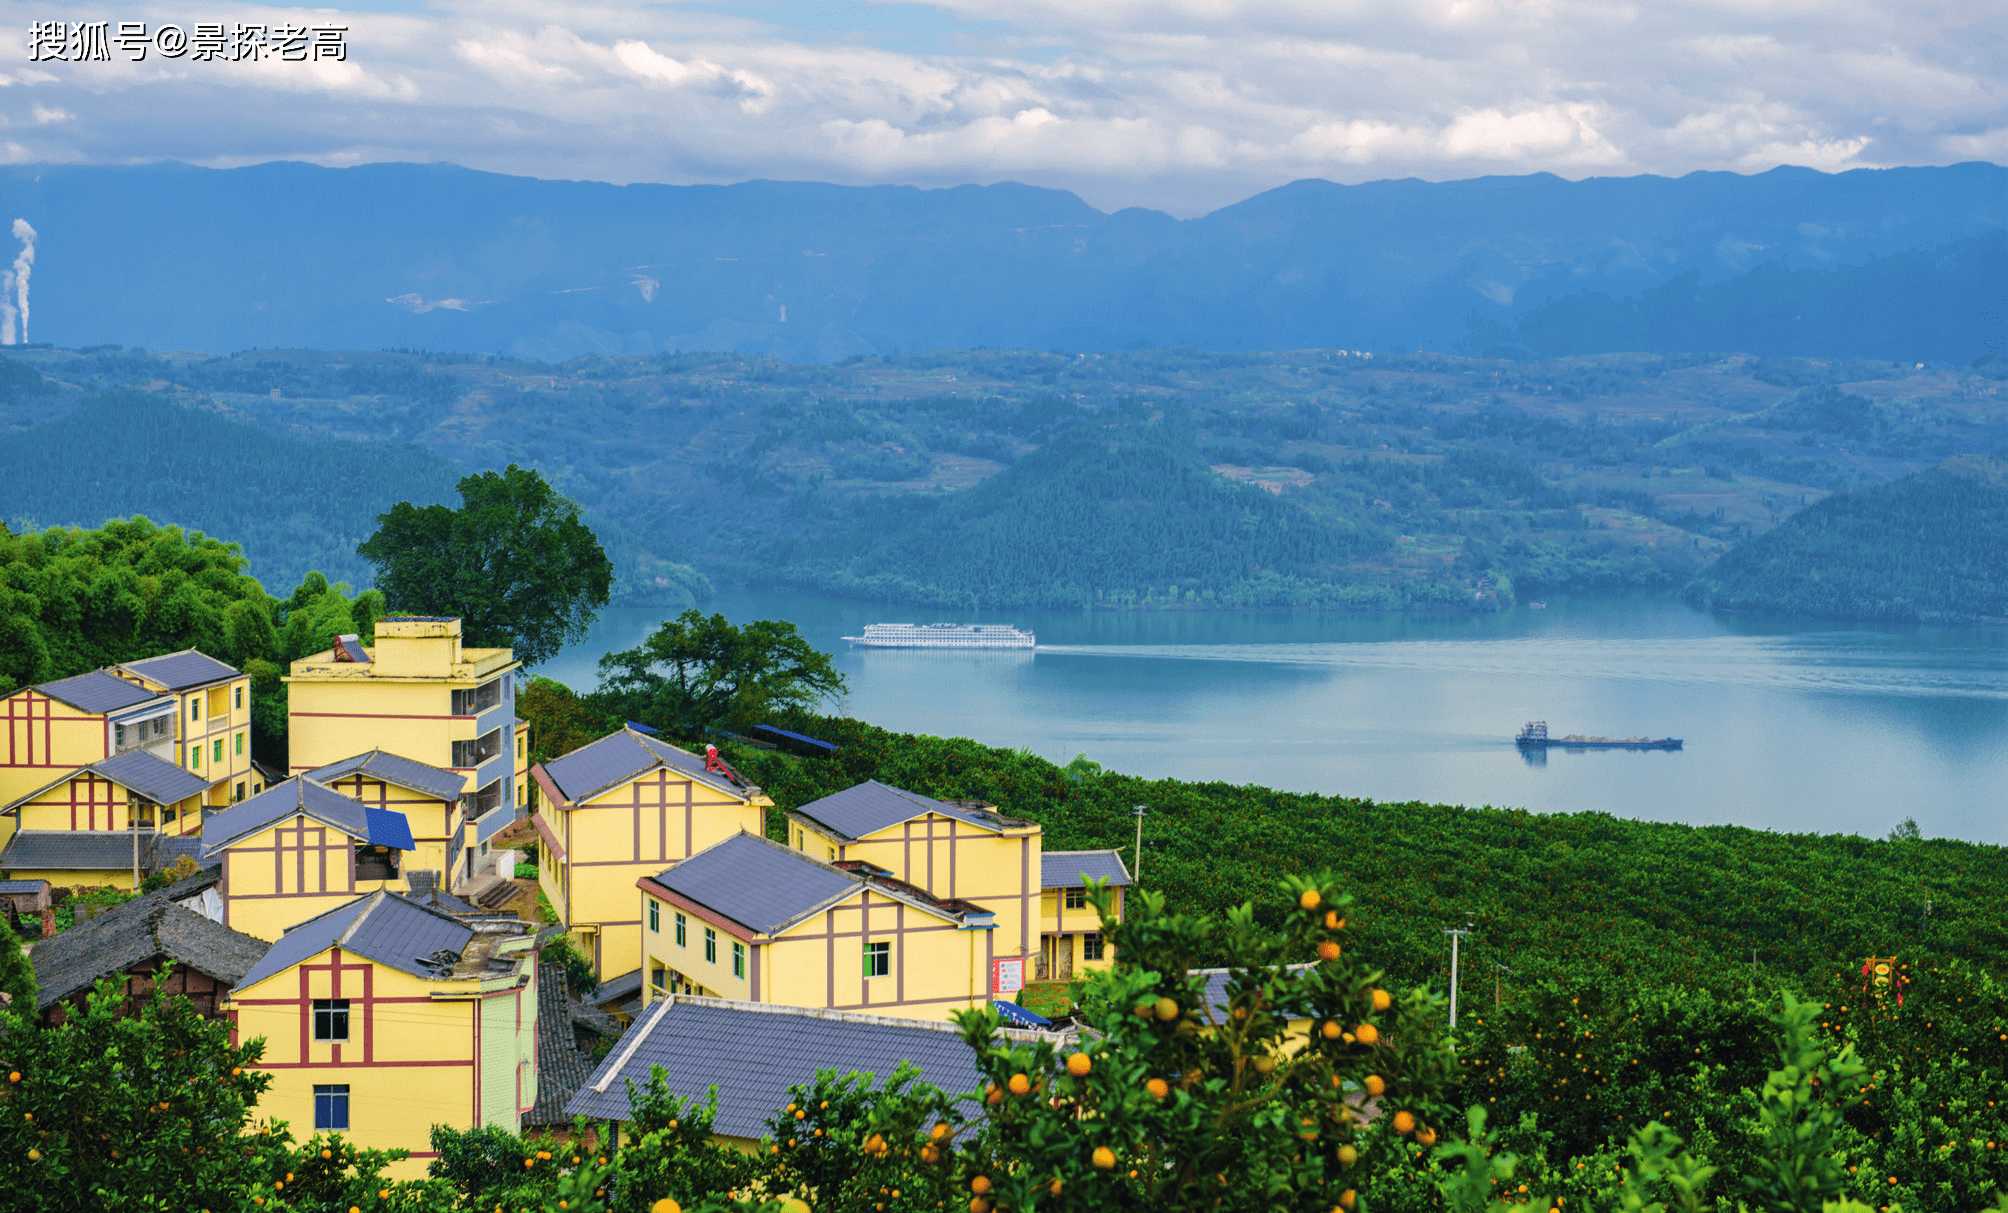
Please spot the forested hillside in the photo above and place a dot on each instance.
(1932, 548)
(1150, 478)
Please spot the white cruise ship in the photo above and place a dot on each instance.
(943, 636)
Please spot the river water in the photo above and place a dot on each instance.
(1789, 725)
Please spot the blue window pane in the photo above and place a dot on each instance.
(331, 1106)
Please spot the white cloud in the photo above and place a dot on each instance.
(1179, 104)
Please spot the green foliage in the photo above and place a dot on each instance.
(842, 1144)
(1928, 547)
(695, 672)
(515, 563)
(17, 973)
(75, 600)
(1256, 1103)
(151, 1110)
(672, 1154)
(579, 975)
(561, 720)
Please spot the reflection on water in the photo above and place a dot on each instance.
(1788, 725)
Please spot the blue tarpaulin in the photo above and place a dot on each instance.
(639, 727)
(1018, 1017)
(389, 828)
(805, 740)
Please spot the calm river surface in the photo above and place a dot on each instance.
(1795, 726)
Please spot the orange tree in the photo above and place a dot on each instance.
(1248, 1097)
(840, 1144)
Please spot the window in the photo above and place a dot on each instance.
(376, 863)
(240, 743)
(474, 753)
(195, 756)
(331, 1105)
(711, 945)
(739, 960)
(331, 1020)
(240, 698)
(833, 854)
(475, 700)
(878, 959)
(216, 751)
(237, 793)
(1077, 899)
(658, 977)
(1091, 947)
(194, 708)
(655, 916)
(680, 940)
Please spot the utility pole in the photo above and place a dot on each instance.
(1456, 937)
(1137, 876)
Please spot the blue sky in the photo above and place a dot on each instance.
(1182, 105)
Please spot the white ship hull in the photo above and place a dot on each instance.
(943, 636)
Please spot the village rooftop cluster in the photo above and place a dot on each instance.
(361, 912)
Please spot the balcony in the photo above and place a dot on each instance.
(480, 750)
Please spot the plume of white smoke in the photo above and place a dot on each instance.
(24, 263)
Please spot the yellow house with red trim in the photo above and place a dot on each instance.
(299, 849)
(104, 821)
(419, 693)
(618, 809)
(750, 919)
(383, 1017)
(429, 797)
(1070, 931)
(213, 707)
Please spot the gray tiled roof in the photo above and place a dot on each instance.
(1216, 984)
(562, 1067)
(871, 806)
(179, 671)
(753, 1053)
(627, 985)
(618, 757)
(382, 926)
(93, 850)
(146, 927)
(302, 795)
(97, 691)
(395, 768)
(28, 886)
(758, 883)
(154, 778)
(1064, 869)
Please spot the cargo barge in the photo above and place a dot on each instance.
(943, 636)
(1534, 736)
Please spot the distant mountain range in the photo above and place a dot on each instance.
(1901, 263)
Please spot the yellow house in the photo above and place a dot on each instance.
(952, 849)
(429, 797)
(752, 920)
(213, 705)
(420, 694)
(298, 849)
(97, 824)
(382, 1018)
(1070, 932)
(57, 727)
(616, 810)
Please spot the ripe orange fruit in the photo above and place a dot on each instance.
(1105, 1159)
(1166, 1010)
(978, 1205)
(980, 1184)
(1347, 1197)
(665, 1205)
(1158, 1088)
(800, 1114)
(1310, 900)
(1382, 1000)
(995, 1097)
(940, 1131)
(930, 1153)
(34, 1156)
(1054, 1187)
(1328, 950)
(1020, 1084)
(1404, 1123)
(1426, 1137)
(1331, 1029)
(1332, 921)
(1375, 1084)
(1078, 1064)
(327, 1154)
(1348, 1156)
(1366, 1033)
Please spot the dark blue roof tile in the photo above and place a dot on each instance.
(757, 883)
(179, 671)
(97, 691)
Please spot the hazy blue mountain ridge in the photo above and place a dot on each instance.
(438, 257)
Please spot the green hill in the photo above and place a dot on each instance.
(1932, 547)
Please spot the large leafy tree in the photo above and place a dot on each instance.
(514, 563)
(695, 671)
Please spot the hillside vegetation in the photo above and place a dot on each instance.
(1157, 478)
(1932, 547)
